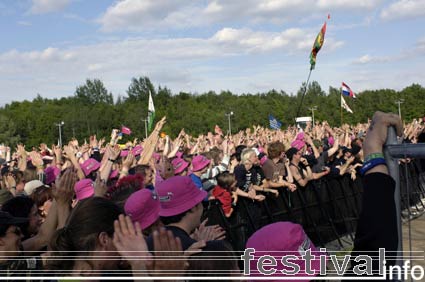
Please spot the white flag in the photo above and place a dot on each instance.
(151, 112)
(345, 106)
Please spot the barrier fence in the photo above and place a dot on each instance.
(328, 208)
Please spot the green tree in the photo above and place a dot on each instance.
(93, 92)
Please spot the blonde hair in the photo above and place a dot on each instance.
(246, 154)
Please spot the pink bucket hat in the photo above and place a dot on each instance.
(51, 173)
(178, 194)
(299, 144)
(179, 165)
(84, 189)
(89, 166)
(142, 206)
(199, 162)
(292, 240)
(137, 150)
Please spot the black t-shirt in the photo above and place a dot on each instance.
(23, 267)
(245, 177)
(186, 240)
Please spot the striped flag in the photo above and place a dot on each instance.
(151, 112)
(274, 123)
(347, 91)
(318, 43)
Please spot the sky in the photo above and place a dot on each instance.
(49, 47)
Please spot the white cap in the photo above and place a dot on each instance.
(31, 186)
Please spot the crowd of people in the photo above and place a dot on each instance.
(101, 208)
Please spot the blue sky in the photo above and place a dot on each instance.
(245, 46)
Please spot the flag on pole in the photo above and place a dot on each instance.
(274, 123)
(125, 130)
(318, 43)
(151, 112)
(345, 106)
(347, 91)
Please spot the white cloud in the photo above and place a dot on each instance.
(366, 59)
(137, 15)
(142, 15)
(48, 6)
(404, 9)
(174, 62)
(24, 23)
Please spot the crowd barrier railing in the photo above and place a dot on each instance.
(328, 208)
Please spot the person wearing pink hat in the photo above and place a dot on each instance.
(180, 166)
(292, 241)
(83, 189)
(200, 165)
(180, 208)
(143, 207)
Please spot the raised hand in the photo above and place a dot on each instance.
(169, 259)
(64, 187)
(130, 243)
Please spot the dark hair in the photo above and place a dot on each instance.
(275, 149)
(20, 207)
(124, 188)
(41, 195)
(173, 219)
(238, 152)
(89, 218)
(216, 257)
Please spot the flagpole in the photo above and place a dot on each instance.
(305, 90)
(340, 105)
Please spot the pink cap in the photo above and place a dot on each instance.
(51, 173)
(84, 189)
(292, 240)
(178, 194)
(142, 206)
(179, 165)
(299, 144)
(89, 166)
(199, 162)
(137, 150)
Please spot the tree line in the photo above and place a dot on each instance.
(93, 110)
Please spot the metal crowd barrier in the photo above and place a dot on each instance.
(328, 208)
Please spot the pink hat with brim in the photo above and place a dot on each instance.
(178, 194)
(137, 150)
(143, 207)
(84, 189)
(51, 173)
(89, 166)
(199, 162)
(298, 144)
(179, 165)
(292, 240)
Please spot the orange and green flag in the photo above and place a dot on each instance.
(318, 43)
